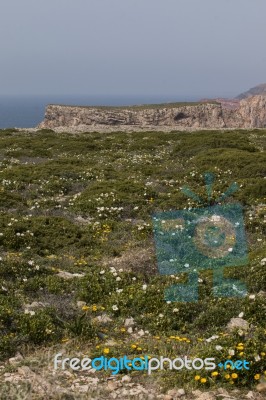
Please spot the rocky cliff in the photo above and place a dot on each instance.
(249, 113)
(255, 91)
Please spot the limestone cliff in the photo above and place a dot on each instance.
(249, 113)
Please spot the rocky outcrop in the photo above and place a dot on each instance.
(255, 91)
(249, 113)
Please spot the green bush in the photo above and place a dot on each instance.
(39, 327)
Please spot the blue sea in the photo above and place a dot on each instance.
(28, 111)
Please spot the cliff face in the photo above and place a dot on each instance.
(253, 111)
(250, 113)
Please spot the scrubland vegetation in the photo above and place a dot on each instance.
(82, 204)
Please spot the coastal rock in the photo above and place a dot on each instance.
(248, 113)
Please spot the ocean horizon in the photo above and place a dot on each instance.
(28, 111)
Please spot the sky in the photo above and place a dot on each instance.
(183, 49)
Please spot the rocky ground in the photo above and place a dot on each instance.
(81, 128)
(25, 383)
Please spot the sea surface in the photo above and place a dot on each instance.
(28, 111)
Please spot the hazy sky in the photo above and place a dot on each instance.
(175, 48)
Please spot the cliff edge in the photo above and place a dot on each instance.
(248, 113)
